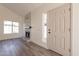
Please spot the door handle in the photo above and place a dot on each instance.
(49, 32)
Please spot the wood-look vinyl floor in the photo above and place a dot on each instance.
(19, 47)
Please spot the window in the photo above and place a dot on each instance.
(7, 27)
(44, 27)
(15, 27)
(11, 27)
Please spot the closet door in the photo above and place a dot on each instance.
(60, 29)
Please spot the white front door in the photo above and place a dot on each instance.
(59, 30)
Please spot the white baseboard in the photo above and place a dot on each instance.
(38, 44)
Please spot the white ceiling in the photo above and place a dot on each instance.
(22, 8)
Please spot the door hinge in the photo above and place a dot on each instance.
(69, 9)
(69, 50)
(69, 29)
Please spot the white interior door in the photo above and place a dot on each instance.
(51, 29)
(59, 30)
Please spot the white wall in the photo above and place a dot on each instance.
(75, 29)
(27, 20)
(36, 22)
(6, 14)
